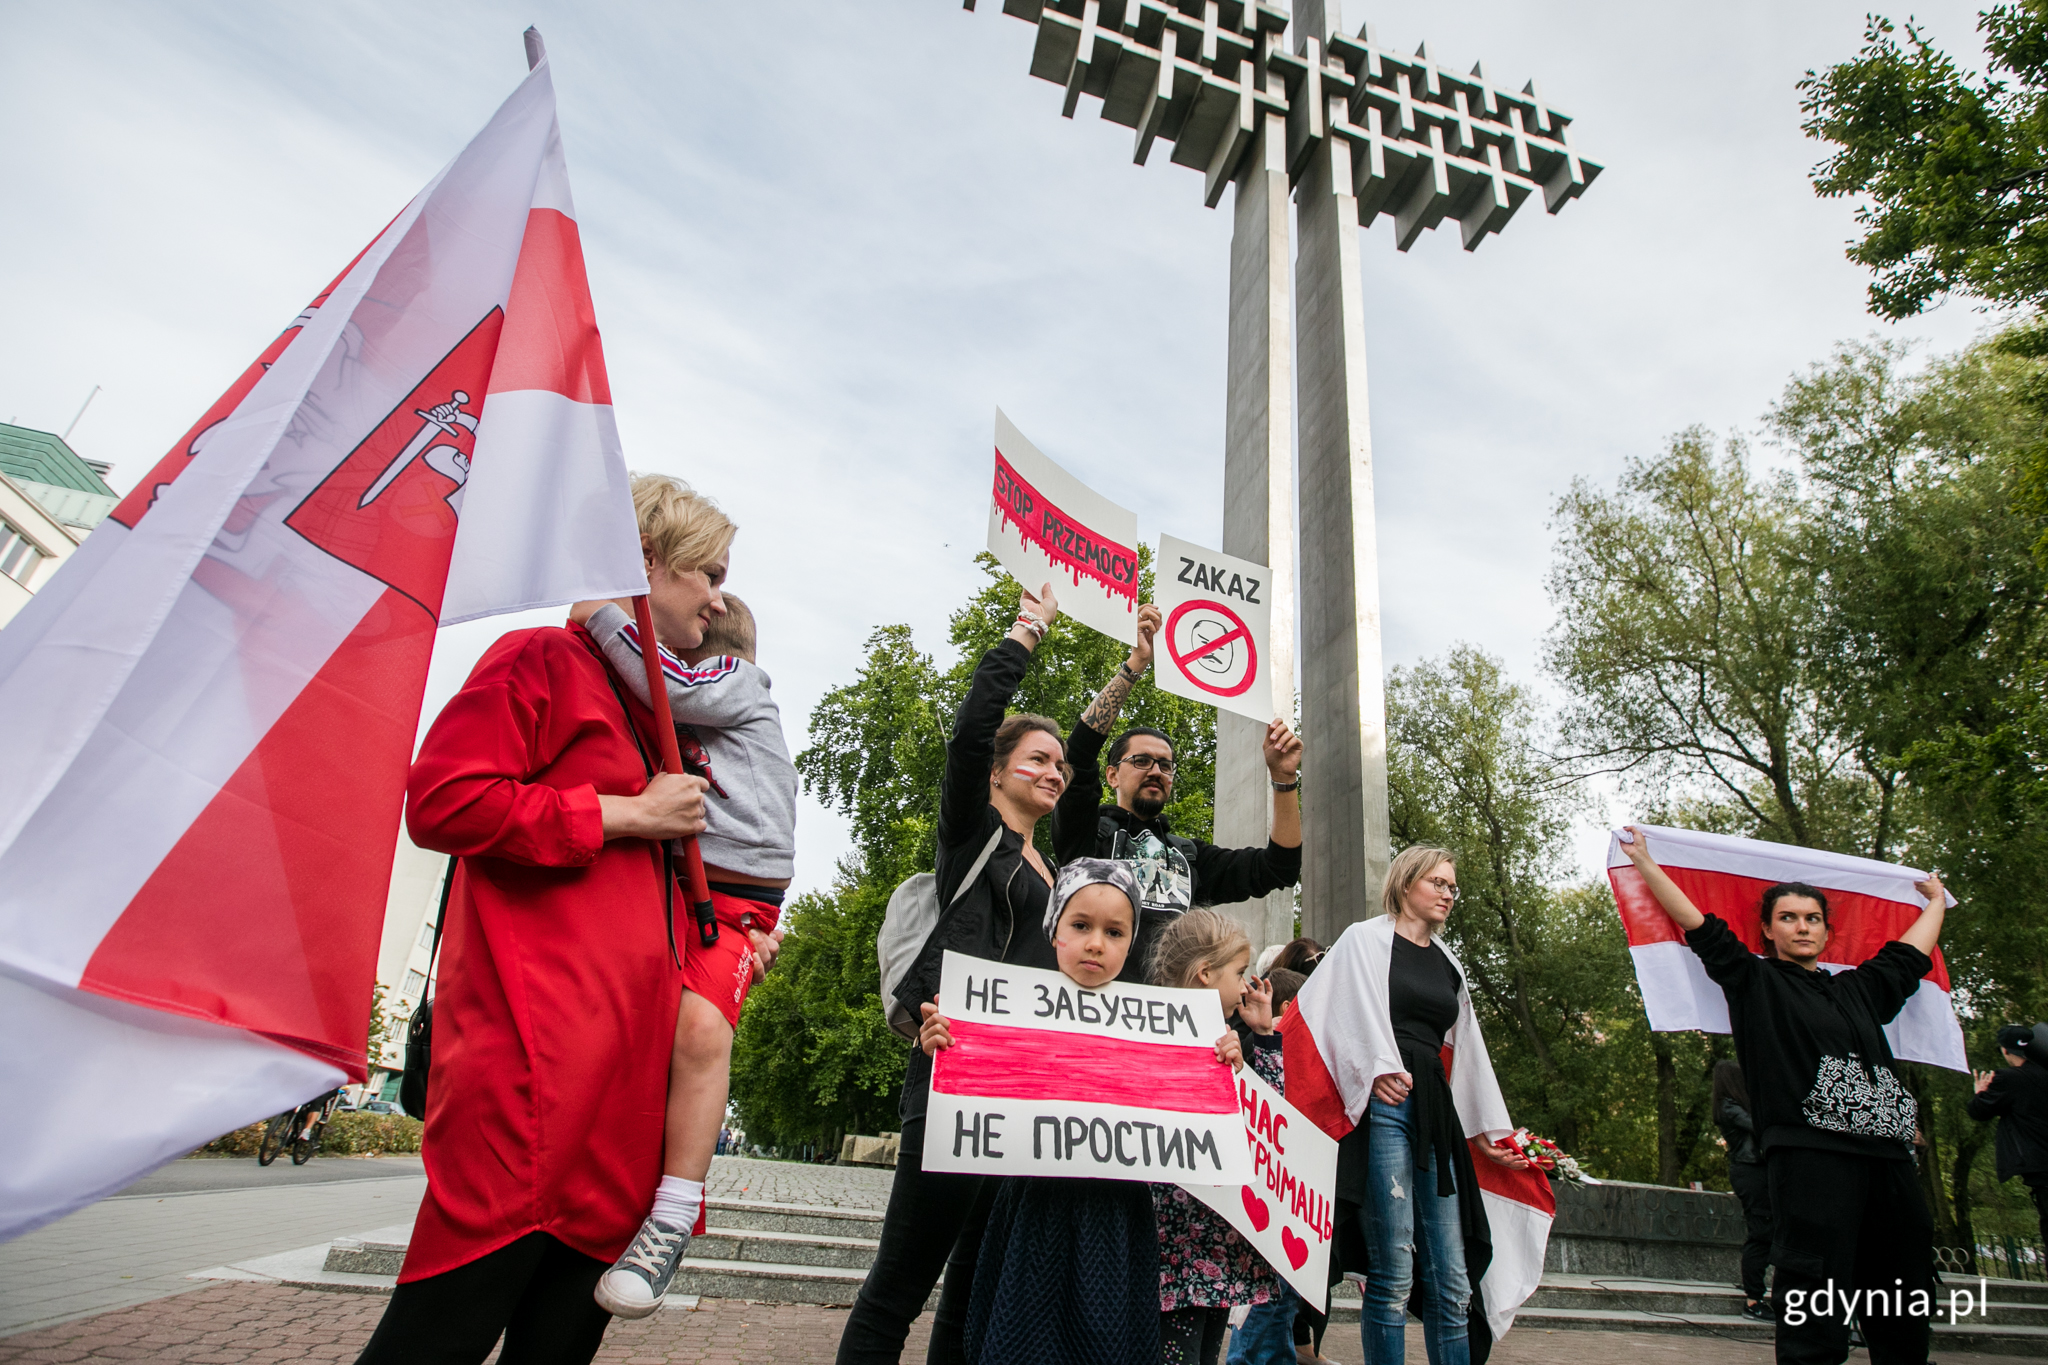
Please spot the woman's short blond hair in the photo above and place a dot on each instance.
(679, 527)
(1410, 866)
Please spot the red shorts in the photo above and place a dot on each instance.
(724, 972)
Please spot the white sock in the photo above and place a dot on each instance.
(677, 1201)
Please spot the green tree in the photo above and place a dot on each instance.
(812, 1058)
(1548, 963)
(1684, 632)
(1952, 167)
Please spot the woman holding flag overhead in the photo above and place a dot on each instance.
(1836, 1125)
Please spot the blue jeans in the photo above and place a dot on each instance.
(1267, 1337)
(1404, 1215)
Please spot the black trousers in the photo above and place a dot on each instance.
(1849, 1224)
(534, 1292)
(1753, 1187)
(934, 1224)
(1193, 1336)
(2038, 1183)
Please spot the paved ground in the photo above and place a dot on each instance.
(791, 1182)
(197, 1174)
(126, 1250)
(232, 1323)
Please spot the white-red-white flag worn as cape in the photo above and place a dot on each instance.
(1869, 904)
(1339, 1038)
(206, 717)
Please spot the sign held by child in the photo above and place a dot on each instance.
(1285, 1210)
(1044, 1076)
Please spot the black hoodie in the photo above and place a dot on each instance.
(1812, 1045)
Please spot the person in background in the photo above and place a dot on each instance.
(1301, 955)
(2018, 1098)
(1752, 1184)
(1205, 1266)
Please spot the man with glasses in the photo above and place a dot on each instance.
(1140, 774)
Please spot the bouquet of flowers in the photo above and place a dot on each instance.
(1546, 1156)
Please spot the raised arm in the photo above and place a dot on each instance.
(1636, 844)
(1926, 931)
(963, 791)
(1101, 713)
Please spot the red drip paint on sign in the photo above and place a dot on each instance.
(1064, 540)
(997, 1062)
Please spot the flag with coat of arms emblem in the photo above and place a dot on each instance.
(206, 717)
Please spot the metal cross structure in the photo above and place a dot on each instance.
(1351, 131)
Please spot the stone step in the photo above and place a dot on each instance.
(754, 1215)
(768, 1282)
(783, 1248)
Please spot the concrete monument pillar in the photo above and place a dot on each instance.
(1367, 131)
(1258, 490)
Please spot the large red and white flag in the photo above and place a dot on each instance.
(206, 717)
(1869, 904)
(1339, 1039)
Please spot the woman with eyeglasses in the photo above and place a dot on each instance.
(1386, 998)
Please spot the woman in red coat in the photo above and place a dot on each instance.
(557, 1003)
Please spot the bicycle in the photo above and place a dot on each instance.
(306, 1142)
(277, 1135)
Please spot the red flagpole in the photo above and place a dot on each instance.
(695, 884)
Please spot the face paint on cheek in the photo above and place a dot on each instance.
(1028, 773)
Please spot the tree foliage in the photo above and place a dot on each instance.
(1952, 167)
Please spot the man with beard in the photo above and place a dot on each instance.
(1140, 773)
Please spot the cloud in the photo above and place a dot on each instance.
(826, 240)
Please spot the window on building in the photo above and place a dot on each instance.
(426, 935)
(415, 982)
(18, 554)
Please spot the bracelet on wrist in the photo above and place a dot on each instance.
(1032, 624)
(1295, 785)
(1125, 672)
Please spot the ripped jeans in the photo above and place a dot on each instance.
(1416, 1244)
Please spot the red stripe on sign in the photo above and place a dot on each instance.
(1310, 1086)
(1063, 539)
(550, 340)
(267, 912)
(1859, 924)
(998, 1062)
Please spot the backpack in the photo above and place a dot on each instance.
(912, 915)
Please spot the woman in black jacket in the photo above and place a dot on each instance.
(1752, 1186)
(1836, 1125)
(1003, 775)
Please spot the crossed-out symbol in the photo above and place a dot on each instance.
(1204, 649)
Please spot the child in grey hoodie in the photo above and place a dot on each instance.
(731, 733)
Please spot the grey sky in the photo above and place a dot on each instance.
(826, 239)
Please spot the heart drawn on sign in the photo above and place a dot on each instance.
(1256, 1210)
(1296, 1249)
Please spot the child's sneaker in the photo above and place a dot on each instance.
(634, 1287)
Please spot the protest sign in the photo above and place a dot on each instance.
(1046, 526)
(1285, 1209)
(1218, 616)
(1046, 1077)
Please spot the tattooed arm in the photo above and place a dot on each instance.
(1101, 713)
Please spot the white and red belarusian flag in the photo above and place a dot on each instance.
(1339, 1039)
(1869, 904)
(206, 717)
